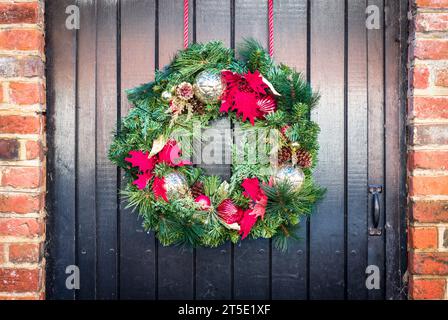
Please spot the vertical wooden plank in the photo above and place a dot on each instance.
(356, 150)
(376, 140)
(106, 172)
(327, 224)
(175, 265)
(61, 73)
(213, 265)
(137, 248)
(395, 12)
(86, 155)
(251, 257)
(289, 270)
(213, 21)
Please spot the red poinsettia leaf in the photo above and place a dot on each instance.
(142, 180)
(227, 101)
(171, 155)
(231, 81)
(158, 187)
(231, 78)
(255, 81)
(260, 206)
(141, 160)
(246, 94)
(246, 223)
(246, 106)
(252, 188)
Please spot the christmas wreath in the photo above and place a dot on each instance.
(177, 199)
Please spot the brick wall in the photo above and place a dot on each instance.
(428, 150)
(22, 141)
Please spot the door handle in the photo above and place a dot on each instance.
(375, 208)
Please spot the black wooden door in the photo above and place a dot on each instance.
(120, 44)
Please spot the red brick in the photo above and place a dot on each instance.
(20, 227)
(9, 149)
(20, 204)
(429, 134)
(26, 93)
(19, 280)
(21, 40)
(24, 253)
(24, 297)
(19, 13)
(425, 22)
(424, 185)
(423, 238)
(421, 77)
(429, 49)
(432, 3)
(442, 79)
(19, 124)
(427, 289)
(26, 66)
(429, 211)
(430, 107)
(429, 263)
(437, 160)
(18, 177)
(34, 150)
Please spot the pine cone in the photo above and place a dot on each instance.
(284, 155)
(198, 107)
(304, 158)
(197, 189)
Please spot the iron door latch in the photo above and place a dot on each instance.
(375, 190)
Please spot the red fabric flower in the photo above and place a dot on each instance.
(171, 155)
(255, 81)
(260, 207)
(141, 160)
(246, 219)
(246, 106)
(253, 191)
(246, 223)
(247, 94)
(142, 180)
(252, 188)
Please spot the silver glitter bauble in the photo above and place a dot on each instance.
(293, 175)
(208, 87)
(167, 96)
(176, 185)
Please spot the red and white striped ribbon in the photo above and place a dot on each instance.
(185, 24)
(271, 26)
